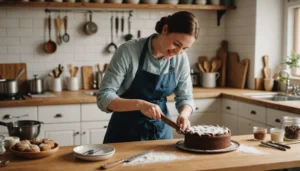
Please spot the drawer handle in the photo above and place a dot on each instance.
(228, 107)
(8, 116)
(277, 120)
(58, 115)
(253, 112)
(83, 133)
(105, 126)
(76, 133)
(196, 108)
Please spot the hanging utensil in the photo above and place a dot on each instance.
(112, 47)
(117, 25)
(129, 36)
(50, 46)
(58, 27)
(122, 24)
(90, 27)
(66, 37)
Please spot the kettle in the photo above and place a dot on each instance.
(36, 85)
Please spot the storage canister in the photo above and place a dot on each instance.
(291, 126)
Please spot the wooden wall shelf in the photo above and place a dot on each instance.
(108, 5)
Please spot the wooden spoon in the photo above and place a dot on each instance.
(216, 65)
(75, 71)
(207, 66)
(70, 69)
(267, 70)
(200, 67)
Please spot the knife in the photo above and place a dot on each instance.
(282, 145)
(114, 163)
(273, 146)
(171, 123)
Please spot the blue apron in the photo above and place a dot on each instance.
(133, 125)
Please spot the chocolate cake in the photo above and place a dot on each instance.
(207, 137)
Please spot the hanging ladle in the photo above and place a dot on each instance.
(129, 36)
(50, 46)
(66, 37)
(112, 47)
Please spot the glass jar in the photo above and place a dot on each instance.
(291, 126)
(2, 147)
(259, 133)
(277, 134)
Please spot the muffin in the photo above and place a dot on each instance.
(50, 142)
(45, 147)
(23, 147)
(36, 141)
(34, 148)
(25, 142)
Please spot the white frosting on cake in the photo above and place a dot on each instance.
(208, 129)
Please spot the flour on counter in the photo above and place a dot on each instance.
(246, 149)
(155, 157)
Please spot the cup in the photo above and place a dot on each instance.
(277, 134)
(268, 84)
(215, 2)
(55, 85)
(259, 133)
(72, 83)
(209, 79)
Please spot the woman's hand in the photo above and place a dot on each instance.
(150, 110)
(183, 122)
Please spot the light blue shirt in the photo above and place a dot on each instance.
(124, 64)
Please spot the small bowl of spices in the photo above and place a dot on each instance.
(259, 133)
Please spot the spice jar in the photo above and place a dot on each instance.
(277, 134)
(2, 148)
(291, 126)
(259, 133)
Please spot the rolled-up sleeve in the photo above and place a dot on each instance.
(113, 78)
(184, 90)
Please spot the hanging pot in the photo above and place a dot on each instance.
(90, 27)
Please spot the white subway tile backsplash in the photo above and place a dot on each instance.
(2, 32)
(19, 32)
(26, 23)
(9, 41)
(31, 40)
(10, 58)
(3, 49)
(9, 23)
(20, 49)
(2, 12)
(40, 23)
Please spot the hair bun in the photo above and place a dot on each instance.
(160, 24)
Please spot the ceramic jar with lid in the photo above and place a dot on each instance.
(291, 126)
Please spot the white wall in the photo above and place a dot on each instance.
(240, 32)
(23, 31)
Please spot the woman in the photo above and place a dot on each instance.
(141, 74)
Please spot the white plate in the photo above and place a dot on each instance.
(93, 158)
(104, 150)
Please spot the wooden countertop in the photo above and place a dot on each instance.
(81, 97)
(64, 160)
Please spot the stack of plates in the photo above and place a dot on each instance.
(102, 152)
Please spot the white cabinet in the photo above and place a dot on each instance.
(10, 114)
(252, 112)
(245, 126)
(93, 132)
(59, 113)
(231, 122)
(274, 117)
(64, 134)
(91, 112)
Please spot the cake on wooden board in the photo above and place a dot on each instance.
(207, 137)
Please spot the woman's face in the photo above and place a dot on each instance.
(175, 43)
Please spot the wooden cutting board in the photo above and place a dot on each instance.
(11, 70)
(236, 71)
(222, 54)
(87, 77)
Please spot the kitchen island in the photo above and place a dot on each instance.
(63, 159)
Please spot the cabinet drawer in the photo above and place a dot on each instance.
(274, 117)
(229, 106)
(91, 112)
(59, 113)
(230, 121)
(206, 105)
(252, 112)
(17, 113)
(246, 126)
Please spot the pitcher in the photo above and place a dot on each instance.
(209, 79)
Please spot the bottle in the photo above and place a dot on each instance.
(195, 78)
(291, 126)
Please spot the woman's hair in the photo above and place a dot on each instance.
(179, 22)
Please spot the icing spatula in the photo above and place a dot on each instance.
(171, 123)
